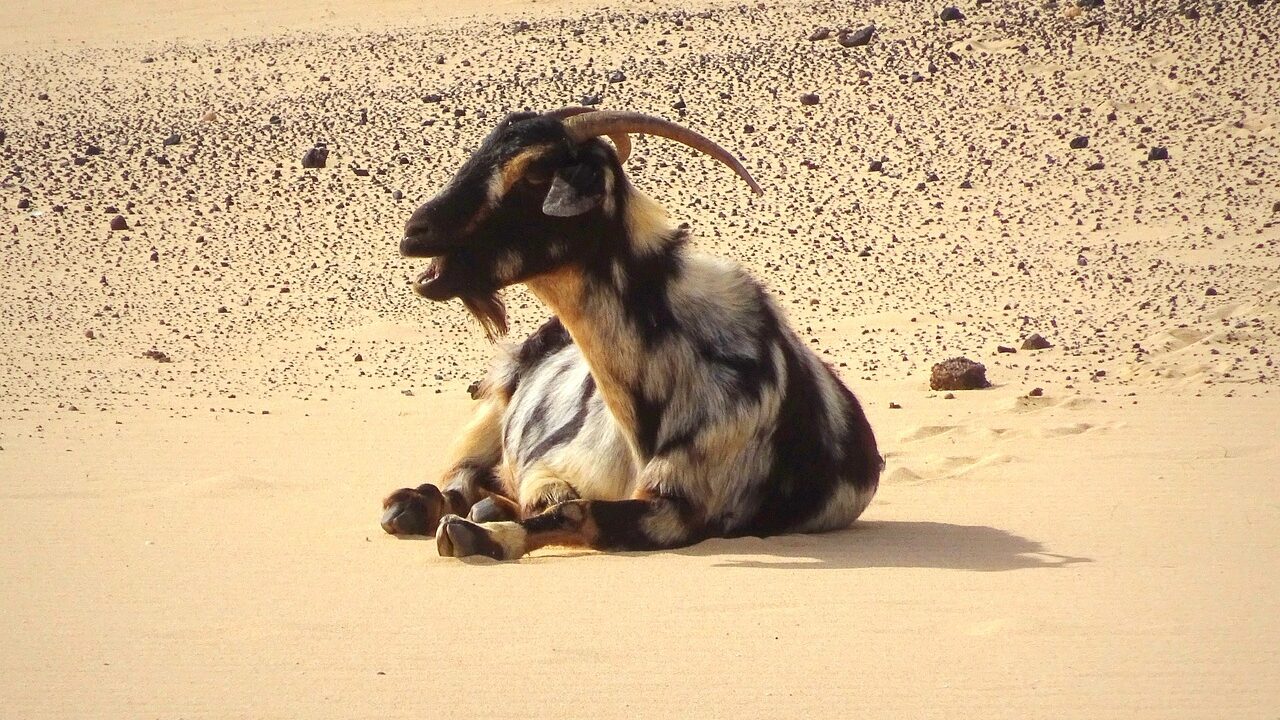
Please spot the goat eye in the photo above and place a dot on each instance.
(537, 176)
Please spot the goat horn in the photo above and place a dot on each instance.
(621, 141)
(582, 126)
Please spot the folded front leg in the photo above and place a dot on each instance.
(640, 524)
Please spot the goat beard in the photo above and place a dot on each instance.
(488, 308)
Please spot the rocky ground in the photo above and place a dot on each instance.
(945, 189)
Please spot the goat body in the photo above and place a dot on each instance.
(666, 402)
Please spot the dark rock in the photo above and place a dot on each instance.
(432, 98)
(1080, 143)
(1036, 392)
(748, 128)
(157, 355)
(1035, 341)
(359, 357)
(360, 172)
(966, 185)
(474, 389)
(959, 374)
(397, 195)
(119, 223)
(275, 120)
(1191, 14)
(951, 13)
(173, 139)
(591, 100)
(894, 406)
(809, 99)
(678, 104)
(1096, 166)
(616, 76)
(1090, 4)
(1158, 153)
(2, 136)
(1211, 292)
(1005, 349)
(821, 33)
(857, 38)
(876, 166)
(93, 150)
(24, 203)
(315, 158)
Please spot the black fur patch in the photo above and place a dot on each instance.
(805, 470)
(570, 429)
(545, 341)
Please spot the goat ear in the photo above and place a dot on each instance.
(575, 190)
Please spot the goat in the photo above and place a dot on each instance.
(665, 402)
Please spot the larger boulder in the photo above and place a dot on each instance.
(959, 373)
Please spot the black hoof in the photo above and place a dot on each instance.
(462, 538)
(413, 512)
(492, 509)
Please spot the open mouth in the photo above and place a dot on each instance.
(428, 281)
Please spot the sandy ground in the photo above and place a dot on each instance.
(199, 539)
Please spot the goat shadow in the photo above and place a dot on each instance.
(892, 543)
(877, 544)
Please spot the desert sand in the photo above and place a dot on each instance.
(200, 413)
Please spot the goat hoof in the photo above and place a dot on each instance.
(492, 510)
(413, 512)
(457, 537)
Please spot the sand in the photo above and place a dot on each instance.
(199, 538)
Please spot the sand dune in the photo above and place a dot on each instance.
(200, 413)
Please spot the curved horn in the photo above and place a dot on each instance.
(610, 122)
(621, 141)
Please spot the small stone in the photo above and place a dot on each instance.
(949, 396)
(1082, 260)
(93, 150)
(809, 99)
(616, 76)
(359, 357)
(857, 38)
(24, 203)
(1096, 166)
(397, 195)
(1079, 143)
(360, 172)
(432, 98)
(958, 374)
(1036, 392)
(1158, 153)
(951, 13)
(119, 223)
(678, 104)
(1211, 292)
(315, 158)
(157, 355)
(1005, 349)
(894, 406)
(90, 334)
(591, 100)
(1035, 341)
(819, 34)
(173, 139)
(474, 389)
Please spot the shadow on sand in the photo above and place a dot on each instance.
(887, 543)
